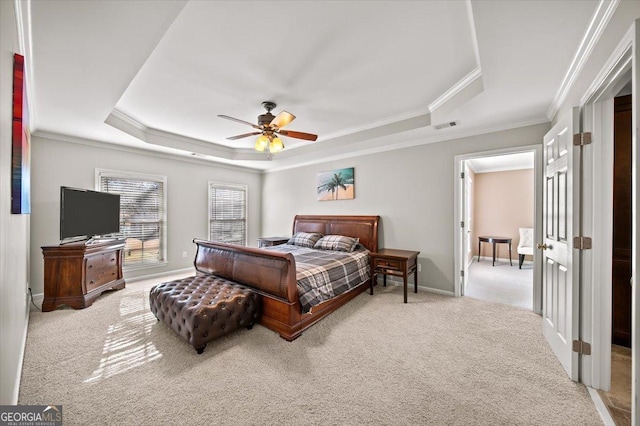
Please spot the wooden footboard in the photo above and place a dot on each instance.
(273, 274)
(270, 272)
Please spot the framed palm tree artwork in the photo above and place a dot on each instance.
(337, 184)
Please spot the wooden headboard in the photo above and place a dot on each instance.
(363, 227)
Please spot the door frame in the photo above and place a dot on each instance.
(459, 240)
(597, 117)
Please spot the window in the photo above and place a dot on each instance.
(142, 214)
(228, 213)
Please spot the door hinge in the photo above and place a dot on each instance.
(462, 273)
(462, 224)
(582, 243)
(461, 175)
(582, 139)
(581, 347)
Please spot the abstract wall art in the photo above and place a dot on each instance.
(20, 143)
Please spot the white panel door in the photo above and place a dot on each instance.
(560, 295)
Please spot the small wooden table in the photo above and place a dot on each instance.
(271, 241)
(399, 263)
(494, 241)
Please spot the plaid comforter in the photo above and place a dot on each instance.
(323, 274)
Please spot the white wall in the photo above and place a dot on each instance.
(411, 189)
(58, 163)
(14, 229)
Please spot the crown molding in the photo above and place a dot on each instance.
(375, 124)
(186, 157)
(466, 81)
(153, 136)
(319, 159)
(411, 143)
(596, 27)
(618, 62)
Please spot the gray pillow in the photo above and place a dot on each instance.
(304, 239)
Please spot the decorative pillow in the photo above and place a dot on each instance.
(337, 242)
(304, 239)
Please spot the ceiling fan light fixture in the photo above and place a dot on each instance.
(276, 145)
(261, 143)
(268, 126)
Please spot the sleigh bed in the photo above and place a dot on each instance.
(273, 274)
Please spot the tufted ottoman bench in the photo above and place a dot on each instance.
(203, 308)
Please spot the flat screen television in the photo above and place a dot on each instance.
(87, 214)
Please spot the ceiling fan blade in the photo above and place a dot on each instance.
(240, 121)
(298, 135)
(282, 119)
(246, 135)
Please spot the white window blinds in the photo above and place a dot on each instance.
(142, 214)
(228, 213)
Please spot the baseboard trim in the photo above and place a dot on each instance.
(160, 274)
(600, 407)
(38, 298)
(394, 282)
(16, 386)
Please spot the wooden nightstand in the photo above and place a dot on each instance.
(399, 263)
(271, 241)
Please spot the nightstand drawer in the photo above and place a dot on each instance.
(387, 264)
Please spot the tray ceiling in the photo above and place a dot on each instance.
(362, 75)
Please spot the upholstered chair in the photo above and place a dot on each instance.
(525, 246)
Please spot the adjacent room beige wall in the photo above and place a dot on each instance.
(503, 202)
(411, 189)
(59, 163)
(14, 228)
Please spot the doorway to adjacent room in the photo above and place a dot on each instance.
(497, 206)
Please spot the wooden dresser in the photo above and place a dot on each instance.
(76, 274)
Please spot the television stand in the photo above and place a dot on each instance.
(75, 274)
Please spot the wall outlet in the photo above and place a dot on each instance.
(184, 254)
(419, 267)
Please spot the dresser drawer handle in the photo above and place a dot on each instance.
(91, 282)
(90, 266)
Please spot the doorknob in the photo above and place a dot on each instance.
(542, 246)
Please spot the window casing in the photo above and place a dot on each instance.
(228, 213)
(142, 214)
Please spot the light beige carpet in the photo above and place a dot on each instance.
(436, 360)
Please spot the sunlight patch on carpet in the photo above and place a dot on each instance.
(127, 342)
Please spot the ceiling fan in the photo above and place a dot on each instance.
(269, 126)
